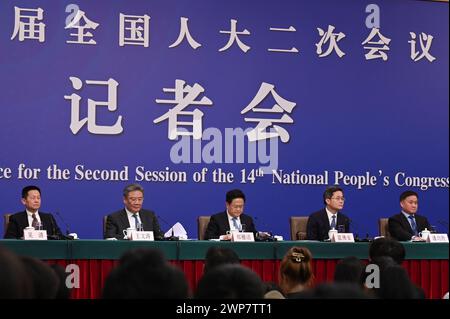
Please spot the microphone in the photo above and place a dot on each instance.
(172, 237)
(54, 234)
(63, 221)
(62, 236)
(357, 228)
(265, 235)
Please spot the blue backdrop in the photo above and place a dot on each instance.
(386, 118)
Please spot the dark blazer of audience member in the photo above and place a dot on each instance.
(407, 225)
(221, 223)
(31, 199)
(319, 223)
(396, 284)
(296, 273)
(133, 198)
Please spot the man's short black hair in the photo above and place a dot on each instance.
(387, 247)
(230, 282)
(406, 194)
(30, 188)
(233, 194)
(217, 256)
(145, 274)
(329, 193)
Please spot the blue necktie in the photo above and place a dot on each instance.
(136, 222)
(235, 223)
(333, 222)
(413, 224)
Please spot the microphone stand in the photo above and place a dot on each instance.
(172, 237)
(67, 236)
(264, 236)
(357, 239)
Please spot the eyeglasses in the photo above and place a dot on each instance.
(136, 199)
(338, 198)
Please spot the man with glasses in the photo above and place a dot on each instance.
(132, 216)
(407, 225)
(319, 223)
(233, 219)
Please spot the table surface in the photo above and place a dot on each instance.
(196, 250)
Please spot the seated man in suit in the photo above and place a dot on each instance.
(32, 217)
(319, 223)
(233, 219)
(132, 216)
(407, 225)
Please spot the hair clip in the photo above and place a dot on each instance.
(298, 257)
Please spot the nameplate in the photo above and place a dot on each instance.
(142, 235)
(437, 238)
(242, 237)
(343, 238)
(31, 234)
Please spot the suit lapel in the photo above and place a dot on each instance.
(124, 219)
(225, 222)
(325, 220)
(23, 220)
(406, 224)
(145, 219)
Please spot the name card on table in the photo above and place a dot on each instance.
(242, 237)
(142, 235)
(437, 238)
(343, 238)
(32, 234)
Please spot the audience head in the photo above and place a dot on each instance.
(217, 256)
(350, 270)
(387, 247)
(395, 284)
(14, 280)
(336, 290)
(144, 274)
(63, 290)
(148, 256)
(231, 281)
(296, 270)
(44, 280)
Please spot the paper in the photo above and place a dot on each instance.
(177, 230)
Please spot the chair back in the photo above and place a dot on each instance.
(202, 223)
(383, 227)
(104, 224)
(298, 227)
(6, 222)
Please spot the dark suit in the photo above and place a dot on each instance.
(218, 225)
(117, 222)
(19, 221)
(400, 228)
(319, 225)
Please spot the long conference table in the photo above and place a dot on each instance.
(427, 264)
